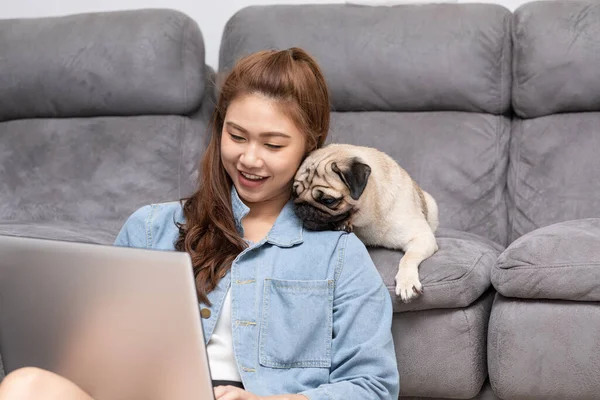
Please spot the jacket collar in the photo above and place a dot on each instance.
(287, 229)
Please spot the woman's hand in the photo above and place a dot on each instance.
(235, 393)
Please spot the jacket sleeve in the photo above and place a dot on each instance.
(135, 232)
(364, 363)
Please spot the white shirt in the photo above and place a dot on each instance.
(220, 346)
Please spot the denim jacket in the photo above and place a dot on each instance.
(310, 313)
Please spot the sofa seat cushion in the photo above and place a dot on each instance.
(544, 349)
(58, 230)
(486, 393)
(559, 261)
(454, 277)
(442, 353)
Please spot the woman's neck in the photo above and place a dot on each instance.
(267, 210)
(259, 221)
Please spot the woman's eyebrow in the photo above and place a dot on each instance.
(275, 134)
(236, 126)
(264, 134)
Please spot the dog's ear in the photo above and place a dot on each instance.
(355, 176)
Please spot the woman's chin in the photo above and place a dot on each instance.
(250, 195)
(262, 196)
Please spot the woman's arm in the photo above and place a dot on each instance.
(363, 355)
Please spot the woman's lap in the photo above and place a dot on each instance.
(34, 383)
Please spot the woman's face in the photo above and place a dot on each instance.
(261, 149)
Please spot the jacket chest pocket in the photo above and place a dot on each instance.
(296, 324)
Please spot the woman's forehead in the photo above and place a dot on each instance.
(260, 115)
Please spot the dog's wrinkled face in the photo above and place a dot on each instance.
(327, 190)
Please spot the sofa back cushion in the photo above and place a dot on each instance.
(555, 58)
(553, 152)
(428, 84)
(100, 64)
(402, 58)
(99, 115)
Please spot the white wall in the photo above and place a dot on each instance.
(211, 15)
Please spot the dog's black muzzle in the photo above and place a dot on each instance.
(318, 220)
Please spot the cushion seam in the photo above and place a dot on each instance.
(512, 236)
(464, 277)
(497, 173)
(538, 266)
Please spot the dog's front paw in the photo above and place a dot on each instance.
(346, 226)
(408, 285)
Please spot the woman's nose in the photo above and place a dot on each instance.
(250, 158)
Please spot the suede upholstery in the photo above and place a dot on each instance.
(544, 349)
(543, 338)
(555, 43)
(553, 162)
(100, 114)
(436, 101)
(101, 64)
(496, 114)
(375, 46)
(559, 261)
(97, 124)
(432, 147)
(387, 91)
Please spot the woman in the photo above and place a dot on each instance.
(288, 313)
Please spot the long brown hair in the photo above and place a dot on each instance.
(209, 234)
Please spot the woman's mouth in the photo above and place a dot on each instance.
(252, 177)
(251, 180)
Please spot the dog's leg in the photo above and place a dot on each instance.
(408, 285)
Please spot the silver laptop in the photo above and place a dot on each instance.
(121, 323)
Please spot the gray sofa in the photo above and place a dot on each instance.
(99, 113)
(496, 114)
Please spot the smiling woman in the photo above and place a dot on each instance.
(266, 92)
(278, 301)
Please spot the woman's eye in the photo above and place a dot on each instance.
(273, 146)
(236, 137)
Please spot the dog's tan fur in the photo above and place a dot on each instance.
(392, 211)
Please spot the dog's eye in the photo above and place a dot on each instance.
(329, 201)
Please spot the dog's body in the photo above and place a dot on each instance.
(364, 190)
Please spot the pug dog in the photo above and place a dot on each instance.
(363, 190)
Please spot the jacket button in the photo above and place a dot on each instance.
(205, 313)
